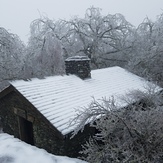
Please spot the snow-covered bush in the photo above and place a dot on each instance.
(130, 134)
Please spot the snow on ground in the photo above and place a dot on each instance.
(13, 150)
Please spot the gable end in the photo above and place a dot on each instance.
(6, 91)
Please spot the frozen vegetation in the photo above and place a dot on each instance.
(108, 40)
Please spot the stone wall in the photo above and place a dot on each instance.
(44, 135)
(74, 145)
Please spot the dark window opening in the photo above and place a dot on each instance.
(26, 131)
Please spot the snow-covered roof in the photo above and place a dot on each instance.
(78, 58)
(13, 150)
(58, 97)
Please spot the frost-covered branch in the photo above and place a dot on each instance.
(124, 134)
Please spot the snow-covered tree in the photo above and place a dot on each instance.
(11, 55)
(102, 38)
(147, 53)
(130, 134)
(44, 52)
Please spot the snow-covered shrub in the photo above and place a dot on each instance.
(130, 134)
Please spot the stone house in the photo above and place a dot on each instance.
(38, 111)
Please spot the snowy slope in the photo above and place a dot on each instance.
(13, 150)
(57, 97)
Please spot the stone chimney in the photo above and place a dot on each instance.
(78, 65)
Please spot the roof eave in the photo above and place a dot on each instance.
(46, 120)
(6, 91)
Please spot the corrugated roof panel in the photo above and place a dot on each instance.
(57, 97)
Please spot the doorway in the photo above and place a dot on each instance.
(26, 131)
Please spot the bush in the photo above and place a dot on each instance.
(130, 134)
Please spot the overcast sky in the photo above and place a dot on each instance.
(16, 15)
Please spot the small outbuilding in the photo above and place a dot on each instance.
(38, 111)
